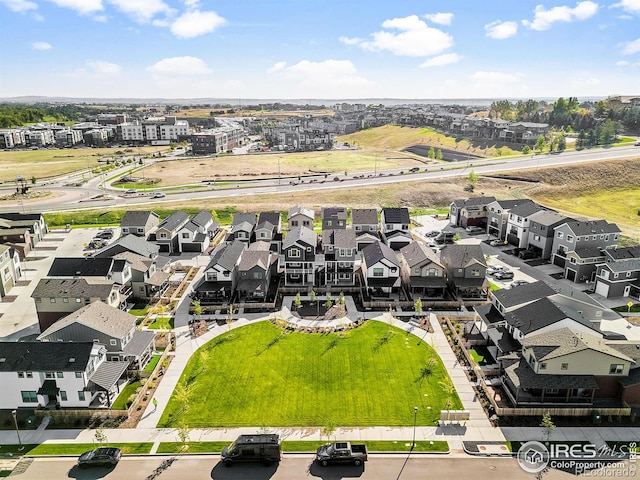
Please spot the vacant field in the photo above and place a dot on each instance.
(397, 138)
(247, 167)
(239, 112)
(48, 163)
(261, 375)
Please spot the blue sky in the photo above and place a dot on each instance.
(319, 48)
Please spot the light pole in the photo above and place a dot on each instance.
(15, 421)
(415, 417)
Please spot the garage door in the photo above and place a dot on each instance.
(602, 289)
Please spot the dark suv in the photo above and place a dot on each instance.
(104, 456)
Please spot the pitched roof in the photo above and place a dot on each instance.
(339, 213)
(271, 218)
(626, 265)
(202, 218)
(252, 258)
(462, 256)
(417, 253)
(510, 297)
(303, 234)
(377, 251)
(174, 220)
(190, 226)
(473, 201)
(525, 209)
(44, 356)
(131, 243)
(81, 267)
(592, 227)
(396, 215)
(298, 210)
(139, 342)
(138, 262)
(589, 252)
(339, 238)
(134, 218)
(509, 204)
(227, 255)
(623, 253)
(522, 376)
(16, 216)
(364, 216)
(241, 217)
(534, 316)
(549, 218)
(98, 316)
(70, 288)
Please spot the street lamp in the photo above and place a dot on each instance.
(415, 417)
(15, 421)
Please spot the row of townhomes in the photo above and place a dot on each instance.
(374, 254)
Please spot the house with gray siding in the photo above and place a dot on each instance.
(394, 227)
(139, 222)
(300, 217)
(619, 275)
(498, 215)
(422, 272)
(242, 227)
(518, 223)
(469, 212)
(221, 274)
(168, 230)
(334, 218)
(466, 271)
(542, 226)
(298, 257)
(255, 272)
(380, 269)
(339, 248)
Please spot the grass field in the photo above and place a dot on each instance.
(258, 375)
(120, 402)
(204, 112)
(47, 163)
(74, 448)
(162, 323)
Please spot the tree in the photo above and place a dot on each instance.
(439, 154)
(100, 436)
(329, 302)
(183, 395)
(540, 143)
(204, 357)
(472, 178)
(547, 426)
(197, 308)
(417, 306)
(183, 435)
(561, 143)
(297, 302)
(328, 430)
(526, 150)
(229, 319)
(432, 153)
(340, 300)
(450, 390)
(33, 180)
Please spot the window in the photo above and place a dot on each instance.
(552, 391)
(65, 300)
(378, 272)
(570, 238)
(329, 223)
(294, 223)
(543, 366)
(48, 374)
(81, 396)
(63, 395)
(78, 374)
(52, 300)
(78, 300)
(433, 272)
(20, 374)
(113, 342)
(29, 374)
(536, 238)
(560, 235)
(185, 235)
(162, 235)
(294, 253)
(29, 396)
(393, 269)
(564, 366)
(416, 270)
(475, 273)
(616, 368)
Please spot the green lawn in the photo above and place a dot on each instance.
(260, 375)
(74, 448)
(120, 403)
(479, 356)
(152, 363)
(311, 446)
(139, 309)
(161, 323)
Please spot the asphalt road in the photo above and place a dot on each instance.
(69, 197)
(294, 467)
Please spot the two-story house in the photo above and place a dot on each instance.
(542, 226)
(33, 221)
(466, 271)
(221, 274)
(242, 227)
(139, 222)
(339, 249)
(334, 218)
(394, 227)
(619, 275)
(380, 269)
(298, 258)
(255, 272)
(269, 229)
(130, 243)
(518, 223)
(364, 221)
(147, 280)
(422, 272)
(585, 240)
(108, 326)
(18, 238)
(197, 233)
(56, 298)
(167, 232)
(9, 275)
(55, 374)
(300, 217)
(469, 212)
(498, 215)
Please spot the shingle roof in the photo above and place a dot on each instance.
(138, 262)
(534, 316)
(252, 258)
(522, 376)
(339, 238)
(473, 201)
(240, 217)
(14, 216)
(526, 209)
(510, 297)
(509, 204)
(98, 316)
(593, 227)
(130, 243)
(44, 356)
(271, 218)
(190, 226)
(623, 253)
(417, 253)
(298, 210)
(589, 252)
(227, 255)
(396, 215)
(375, 252)
(303, 234)
(70, 288)
(462, 256)
(364, 216)
(549, 218)
(626, 265)
(174, 220)
(135, 218)
(81, 267)
(339, 213)
(202, 218)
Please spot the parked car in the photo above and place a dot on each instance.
(495, 269)
(503, 275)
(265, 448)
(496, 243)
(104, 456)
(105, 234)
(445, 237)
(342, 452)
(474, 229)
(637, 144)
(433, 233)
(527, 254)
(517, 283)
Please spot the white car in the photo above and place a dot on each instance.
(159, 195)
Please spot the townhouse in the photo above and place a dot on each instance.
(470, 212)
(337, 267)
(298, 258)
(619, 275)
(167, 232)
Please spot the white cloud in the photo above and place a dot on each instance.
(350, 41)
(500, 30)
(629, 48)
(441, 60)
(179, 66)
(191, 3)
(415, 39)
(627, 64)
(196, 23)
(278, 67)
(19, 5)
(632, 6)
(104, 69)
(440, 18)
(83, 7)
(544, 19)
(496, 77)
(41, 46)
(321, 75)
(142, 11)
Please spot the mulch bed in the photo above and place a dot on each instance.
(9, 298)
(23, 283)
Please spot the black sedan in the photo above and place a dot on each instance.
(104, 456)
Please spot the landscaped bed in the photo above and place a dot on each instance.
(261, 375)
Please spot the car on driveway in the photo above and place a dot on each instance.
(475, 230)
(495, 269)
(503, 275)
(527, 254)
(433, 233)
(100, 457)
(517, 283)
(496, 243)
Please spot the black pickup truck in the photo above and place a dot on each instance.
(341, 452)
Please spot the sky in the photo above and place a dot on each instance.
(319, 49)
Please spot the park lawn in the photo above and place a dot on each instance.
(120, 403)
(78, 448)
(161, 323)
(262, 375)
